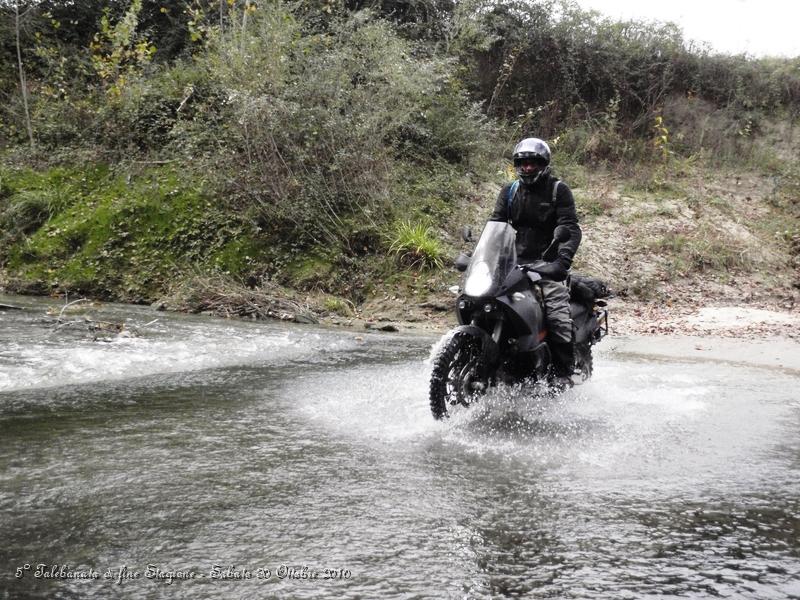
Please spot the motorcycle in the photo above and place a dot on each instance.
(502, 330)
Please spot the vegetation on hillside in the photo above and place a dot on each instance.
(336, 146)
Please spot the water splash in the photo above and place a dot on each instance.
(49, 362)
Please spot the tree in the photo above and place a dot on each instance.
(22, 83)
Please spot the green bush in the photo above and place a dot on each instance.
(416, 246)
(316, 146)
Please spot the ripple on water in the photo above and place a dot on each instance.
(655, 478)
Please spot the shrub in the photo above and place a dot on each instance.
(338, 306)
(416, 246)
(316, 145)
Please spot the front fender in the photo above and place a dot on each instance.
(490, 348)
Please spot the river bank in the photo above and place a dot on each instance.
(763, 337)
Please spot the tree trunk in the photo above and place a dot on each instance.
(22, 84)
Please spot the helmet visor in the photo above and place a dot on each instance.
(536, 160)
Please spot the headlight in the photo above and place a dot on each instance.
(479, 281)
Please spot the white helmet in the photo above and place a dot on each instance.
(536, 149)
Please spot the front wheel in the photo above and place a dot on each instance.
(458, 378)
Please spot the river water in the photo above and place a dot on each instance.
(225, 459)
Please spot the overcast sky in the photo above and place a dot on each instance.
(758, 27)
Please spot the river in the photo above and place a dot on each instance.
(195, 457)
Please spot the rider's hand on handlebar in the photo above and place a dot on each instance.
(556, 270)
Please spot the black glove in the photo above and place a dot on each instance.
(556, 270)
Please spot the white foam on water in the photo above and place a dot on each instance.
(379, 402)
(633, 422)
(48, 364)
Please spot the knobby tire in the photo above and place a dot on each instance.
(458, 358)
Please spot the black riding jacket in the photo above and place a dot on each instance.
(535, 216)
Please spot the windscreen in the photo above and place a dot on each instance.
(494, 257)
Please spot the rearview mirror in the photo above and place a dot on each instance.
(466, 233)
(462, 261)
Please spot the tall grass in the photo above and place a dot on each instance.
(415, 245)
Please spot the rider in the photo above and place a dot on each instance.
(541, 203)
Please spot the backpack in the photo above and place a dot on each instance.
(512, 191)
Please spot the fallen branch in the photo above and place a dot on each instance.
(68, 304)
(226, 298)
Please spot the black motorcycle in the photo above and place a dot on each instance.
(502, 331)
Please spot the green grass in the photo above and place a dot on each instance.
(337, 306)
(239, 255)
(115, 236)
(416, 246)
(311, 270)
